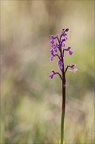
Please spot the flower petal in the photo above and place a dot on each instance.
(75, 69)
(51, 58)
(70, 52)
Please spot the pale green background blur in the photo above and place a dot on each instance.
(30, 101)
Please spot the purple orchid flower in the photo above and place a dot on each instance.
(58, 49)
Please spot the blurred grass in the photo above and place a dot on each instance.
(30, 101)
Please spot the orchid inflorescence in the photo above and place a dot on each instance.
(58, 49)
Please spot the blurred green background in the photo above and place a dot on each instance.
(30, 101)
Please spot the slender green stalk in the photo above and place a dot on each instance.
(63, 106)
(62, 128)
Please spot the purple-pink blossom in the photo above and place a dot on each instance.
(52, 41)
(60, 64)
(51, 76)
(73, 67)
(69, 50)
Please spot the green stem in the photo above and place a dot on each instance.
(62, 128)
(63, 106)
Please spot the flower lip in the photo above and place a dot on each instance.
(60, 64)
(75, 69)
(51, 76)
(60, 67)
(51, 58)
(52, 52)
(63, 44)
(52, 41)
(70, 52)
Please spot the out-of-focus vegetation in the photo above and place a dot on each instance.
(30, 101)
